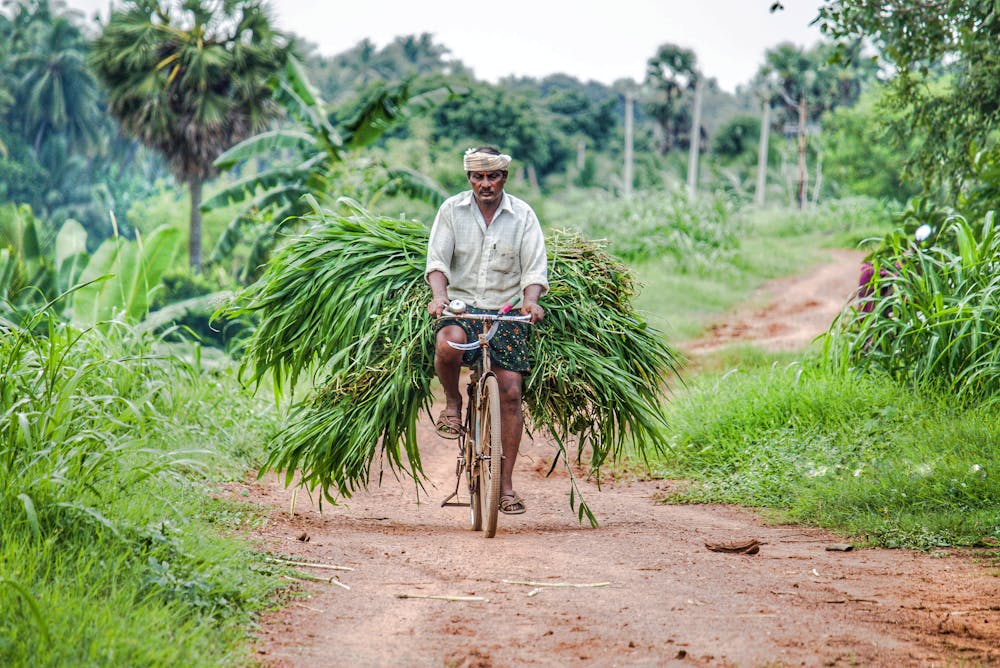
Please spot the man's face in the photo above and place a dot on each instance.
(487, 186)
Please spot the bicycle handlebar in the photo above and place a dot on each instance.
(487, 316)
(496, 319)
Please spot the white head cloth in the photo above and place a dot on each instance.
(476, 161)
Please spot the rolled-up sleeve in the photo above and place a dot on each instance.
(534, 265)
(441, 245)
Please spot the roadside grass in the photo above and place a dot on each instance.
(113, 547)
(852, 222)
(886, 463)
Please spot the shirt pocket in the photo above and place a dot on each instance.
(504, 259)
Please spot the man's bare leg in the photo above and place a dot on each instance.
(448, 366)
(511, 425)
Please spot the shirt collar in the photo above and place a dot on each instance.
(505, 203)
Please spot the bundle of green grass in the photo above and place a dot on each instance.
(345, 303)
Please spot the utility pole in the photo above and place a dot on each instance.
(627, 190)
(802, 152)
(765, 129)
(692, 182)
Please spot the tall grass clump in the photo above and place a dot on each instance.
(862, 454)
(110, 552)
(932, 315)
(345, 303)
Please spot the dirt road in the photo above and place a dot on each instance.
(647, 591)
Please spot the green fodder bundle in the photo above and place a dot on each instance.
(346, 301)
(598, 368)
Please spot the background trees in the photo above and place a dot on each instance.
(190, 80)
(54, 133)
(943, 56)
(65, 157)
(671, 74)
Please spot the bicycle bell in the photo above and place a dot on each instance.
(457, 306)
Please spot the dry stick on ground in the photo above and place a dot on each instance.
(435, 597)
(555, 584)
(313, 578)
(290, 562)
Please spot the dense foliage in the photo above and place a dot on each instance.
(60, 153)
(312, 155)
(108, 553)
(932, 312)
(944, 55)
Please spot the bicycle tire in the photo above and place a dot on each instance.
(473, 478)
(491, 450)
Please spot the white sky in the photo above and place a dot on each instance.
(603, 40)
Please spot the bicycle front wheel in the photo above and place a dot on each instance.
(491, 454)
(475, 482)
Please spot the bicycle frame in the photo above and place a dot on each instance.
(471, 458)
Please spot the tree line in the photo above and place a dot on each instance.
(97, 117)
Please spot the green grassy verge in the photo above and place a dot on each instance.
(114, 549)
(859, 453)
(878, 459)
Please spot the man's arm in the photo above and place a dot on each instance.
(439, 288)
(534, 268)
(530, 305)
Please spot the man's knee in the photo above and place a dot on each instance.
(510, 387)
(445, 352)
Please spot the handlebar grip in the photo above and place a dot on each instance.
(509, 306)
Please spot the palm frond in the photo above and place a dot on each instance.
(265, 144)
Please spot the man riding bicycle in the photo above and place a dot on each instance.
(486, 247)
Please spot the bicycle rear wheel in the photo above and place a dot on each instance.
(491, 451)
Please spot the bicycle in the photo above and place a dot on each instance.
(480, 452)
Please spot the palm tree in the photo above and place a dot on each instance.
(671, 76)
(309, 157)
(54, 88)
(188, 78)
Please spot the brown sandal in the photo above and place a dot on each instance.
(448, 425)
(512, 504)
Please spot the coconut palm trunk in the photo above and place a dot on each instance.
(194, 241)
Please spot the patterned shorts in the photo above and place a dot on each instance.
(508, 348)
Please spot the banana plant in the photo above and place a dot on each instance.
(71, 254)
(131, 271)
(36, 265)
(275, 195)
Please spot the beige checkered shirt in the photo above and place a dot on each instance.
(487, 265)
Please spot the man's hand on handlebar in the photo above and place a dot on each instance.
(534, 310)
(437, 306)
